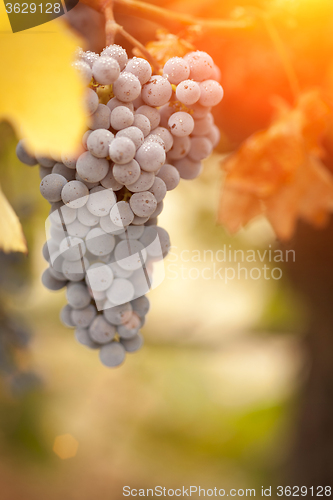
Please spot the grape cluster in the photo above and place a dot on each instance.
(145, 133)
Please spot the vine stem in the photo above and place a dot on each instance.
(141, 47)
(167, 18)
(170, 18)
(112, 28)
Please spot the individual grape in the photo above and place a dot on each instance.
(121, 214)
(77, 229)
(176, 70)
(122, 150)
(101, 201)
(91, 101)
(130, 328)
(150, 156)
(198, 111)
(63, 215)
(75, 194)
(117, 53)
(187, 168)
(77, 295)
(87, 218)
(165, 112)
(170, 175)
(92, 169)
(138, 221)
(85, 138)
(89, 185)
(43, 172)
(83, 317)
(57, 234)
(112, 354)
(203, 125)
(141, 280)
(130, 254)
(157, 91)
(155, 138)
(101, 331)
(151, 113)
(188, 92)
(165, 135)
(143, 204)
(101, 117)
(75, 271)
(214, 136)
(181, 124)
(55, 269)
(48, 247)
(138, 102)
(89, 57)
(120, 292)
(201, 65)
(99, 277)
(114, 103)
(118, 272)
(144, 182)
(140, 68)
(51, 187)
(149, 236)
(133, 344)
(83, 337)
(156, 245)
(158, 210)
(134, 134)
(72, 248)
(98, 296)
(141, 305)
(200, 148)
(118, 315)
(61, 169)
(127, 87)
(181, 147)
(99, 141)
(109, 182)
(132, 233)
(45, 161)
(108, 226)
(84, 71)
(65, 316)
(128, 173)
(105, 70)
(99, 242)
(211, 93)
(50, 282)
(69, 160)
(142, 123)
(121, 117)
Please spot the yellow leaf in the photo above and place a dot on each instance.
(11, 234)
(40, 94)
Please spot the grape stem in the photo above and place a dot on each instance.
(176, 20)
(112, 28)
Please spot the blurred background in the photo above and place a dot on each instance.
(234, 385)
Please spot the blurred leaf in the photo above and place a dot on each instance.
(167, 46)
(40, 94)
(279, 171)
(11, 233)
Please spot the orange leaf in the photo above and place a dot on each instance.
(279, 171)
